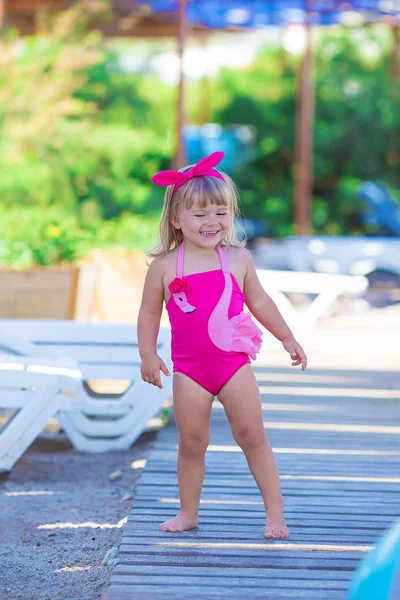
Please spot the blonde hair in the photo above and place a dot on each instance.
(207, 190)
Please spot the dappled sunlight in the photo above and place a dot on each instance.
(338, 451)
(290, 407)
(73, 569)
(33, 493)
(304, 378)
(109, 386)
(343, 478)
(156, 423)
(4, 420)
(140, 463)
(240, 502)
(87, 524)
(336, 427)
(331, 392)
(268, 546)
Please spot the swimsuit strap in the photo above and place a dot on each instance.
(179, 265)
(224, 262)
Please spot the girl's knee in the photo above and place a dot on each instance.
(250, 437)
(193, 442)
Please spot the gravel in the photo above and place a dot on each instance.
(60, 514)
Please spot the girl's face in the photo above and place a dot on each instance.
(204, 227)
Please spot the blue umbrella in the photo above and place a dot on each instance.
(220, 14)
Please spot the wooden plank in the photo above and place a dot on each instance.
(242, 572)
(35, 293)
(317, 508)
(288, 556)
(295, 464)
(119, 584)
(235, 482)
(221, 514)
(155, 592)
(232, 452)
(291, 500)
(333, 462)
(330, 456)
(223, 525)
(262, 573)
(243, 514)
(283, 444)
(251, 525)
(133, 555)
(244, 481)
(307, 469)
(206, 535)
(227, 581)
(289, 483)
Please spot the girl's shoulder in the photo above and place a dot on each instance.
(164, 261)
(240, 262)
(164, 266)
(239, 254)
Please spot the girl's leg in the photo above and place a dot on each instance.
(241, 400)
(192, 410)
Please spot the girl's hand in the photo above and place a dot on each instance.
(296, 352)
(150, 370)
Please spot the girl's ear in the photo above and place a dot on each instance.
(174, 221)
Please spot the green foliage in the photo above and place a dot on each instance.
(165, 415)
(35, 237)
(80, 137)
(133, 232)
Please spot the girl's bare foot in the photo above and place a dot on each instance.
(181, 522)
(276, 526)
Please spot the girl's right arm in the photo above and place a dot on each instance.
(149, 324)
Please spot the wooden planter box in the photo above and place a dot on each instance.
(59, 292)
(121, 275)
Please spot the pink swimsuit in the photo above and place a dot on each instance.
(211, 335)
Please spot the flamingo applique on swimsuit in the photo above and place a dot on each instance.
(211, 335)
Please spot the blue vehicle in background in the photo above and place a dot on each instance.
(376, 255)
(383, 212)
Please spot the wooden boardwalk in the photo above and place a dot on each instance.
(336, 439)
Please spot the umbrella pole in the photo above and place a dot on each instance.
(205, 89)
(303, 167)
(2, 16)
(180, 159)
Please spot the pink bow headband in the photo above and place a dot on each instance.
(205, 166)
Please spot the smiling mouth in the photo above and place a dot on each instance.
(209, 233)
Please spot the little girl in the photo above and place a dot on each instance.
(205, 276)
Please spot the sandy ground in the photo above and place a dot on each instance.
(60, 513)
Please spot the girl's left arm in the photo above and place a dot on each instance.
(266, 312)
